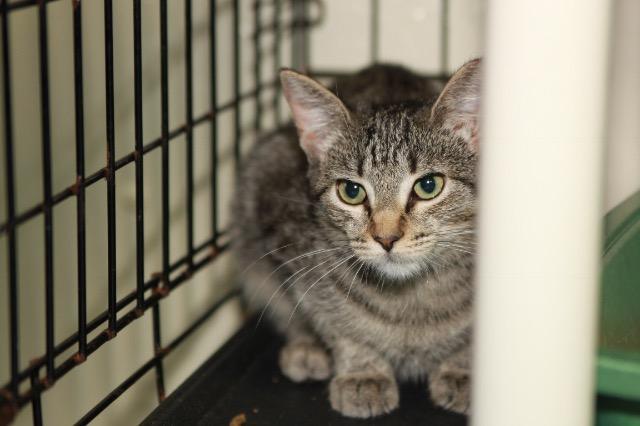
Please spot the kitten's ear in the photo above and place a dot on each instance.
(457, 107)
(318, 114)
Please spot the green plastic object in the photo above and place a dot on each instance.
(618, 374)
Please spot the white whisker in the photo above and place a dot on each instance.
(263, 256)
(354, 278)
(311, 253)
(328, 259)
(383, 282)
(276, 292)
(333, 268)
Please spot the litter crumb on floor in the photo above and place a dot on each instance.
(255, 411)
(238, 420)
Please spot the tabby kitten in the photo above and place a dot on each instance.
(362, 223)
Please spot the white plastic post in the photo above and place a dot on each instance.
(540, 211)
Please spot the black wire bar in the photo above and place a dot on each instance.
(80, 185)
(45, 123)
(257, 62)
(189, 120)
(164, 95)
(19, 4)
(11, 207)
(110, 171)
(213, 101)
(36, 403)
(237, 77)
(277, 57)
(139, 147)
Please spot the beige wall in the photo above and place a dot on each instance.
(409, 34)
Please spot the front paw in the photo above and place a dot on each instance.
(451, 389)
(364, 394)
(301, 361)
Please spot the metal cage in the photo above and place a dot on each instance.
(28, 382)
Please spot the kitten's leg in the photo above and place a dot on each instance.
(303, 357)
(364, 384)
(450, 382)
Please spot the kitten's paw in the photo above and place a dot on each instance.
(363, 394)
(451, 389)
(301, 361)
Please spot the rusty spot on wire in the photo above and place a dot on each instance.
(161, 351)
(36, 361)
(75, 188)
(8, 407)
(138, 312)
(157, 276)
(79, 358)
(46, 382)
(110, 333)
(161, 291)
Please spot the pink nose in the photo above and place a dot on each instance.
(387, 241)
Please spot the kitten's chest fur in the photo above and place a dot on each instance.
(414, 327)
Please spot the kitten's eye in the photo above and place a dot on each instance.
(351, 192)
(429, 186)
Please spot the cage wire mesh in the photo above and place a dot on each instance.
(174, 93)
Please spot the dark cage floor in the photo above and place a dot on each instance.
(242, 382)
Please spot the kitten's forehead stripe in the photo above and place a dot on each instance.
(387, 144)
(413, 161)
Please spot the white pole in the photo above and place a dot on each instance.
(540, 212)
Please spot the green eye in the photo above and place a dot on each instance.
(351, 192)
(429, 186)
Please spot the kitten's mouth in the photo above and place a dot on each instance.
(395, 266)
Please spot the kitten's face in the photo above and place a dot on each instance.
(402, 193)
(399, 181)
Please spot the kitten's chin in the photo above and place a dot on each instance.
(398, 270)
